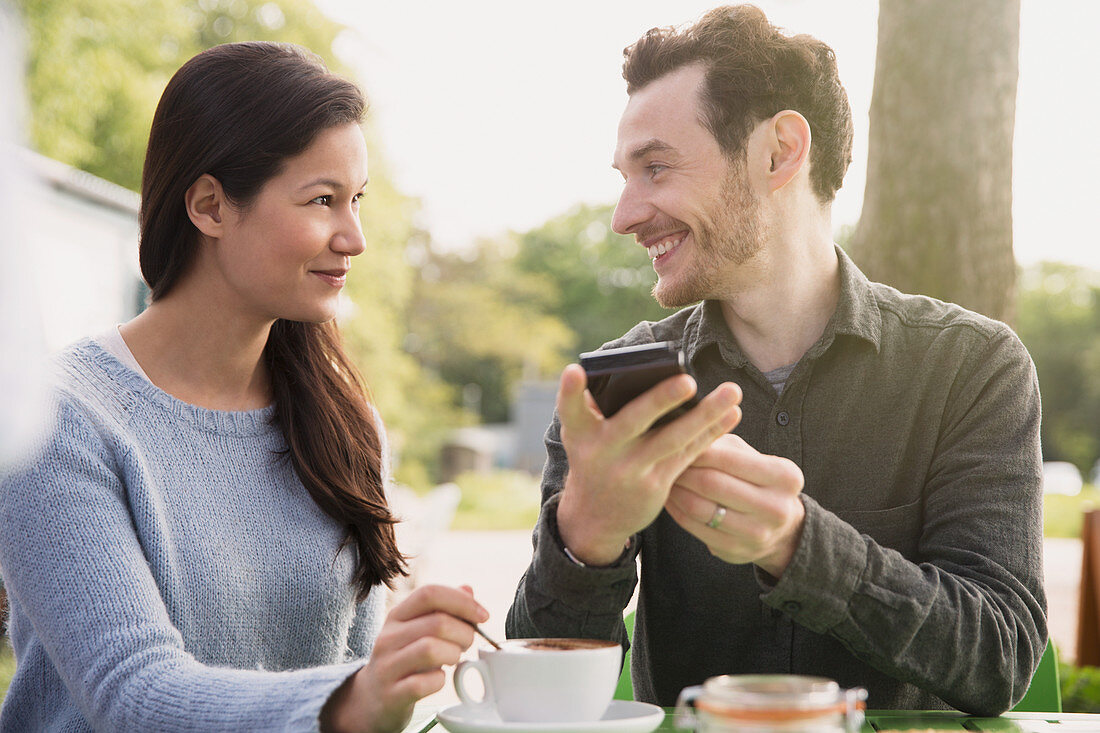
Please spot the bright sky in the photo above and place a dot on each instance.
(500, 114)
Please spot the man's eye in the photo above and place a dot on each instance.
(655, 168)
(322, 200)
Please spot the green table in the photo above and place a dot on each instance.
(904, 720)
(1009, 722)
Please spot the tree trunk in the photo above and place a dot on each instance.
(937, 211)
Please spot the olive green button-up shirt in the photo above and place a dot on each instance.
(919, 571)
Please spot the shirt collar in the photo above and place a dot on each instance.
(857, 314)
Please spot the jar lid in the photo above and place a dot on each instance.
(772, 697)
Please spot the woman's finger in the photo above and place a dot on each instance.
(419, 685)
(421, 655)
(438, 625)
(432, 598)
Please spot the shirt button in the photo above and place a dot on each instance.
(783, 418)
(792, 606)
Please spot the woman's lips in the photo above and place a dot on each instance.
(335, 278)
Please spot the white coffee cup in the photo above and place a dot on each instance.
(544, 680)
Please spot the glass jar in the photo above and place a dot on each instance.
(770, 704)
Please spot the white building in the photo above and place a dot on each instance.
(80, 235)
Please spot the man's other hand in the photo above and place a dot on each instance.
(742, 504)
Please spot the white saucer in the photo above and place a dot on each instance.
(622, 716)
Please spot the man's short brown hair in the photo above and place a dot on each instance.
(753, 71)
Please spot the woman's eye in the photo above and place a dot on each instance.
(322, 200)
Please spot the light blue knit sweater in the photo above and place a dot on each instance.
(168, 571)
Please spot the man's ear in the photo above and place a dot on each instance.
(206, 205)
(789, 140)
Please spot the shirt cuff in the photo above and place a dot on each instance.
(593, 589)
(817, 587)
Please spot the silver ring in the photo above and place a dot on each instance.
(717, 517)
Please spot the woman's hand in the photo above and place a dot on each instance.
(430, 628)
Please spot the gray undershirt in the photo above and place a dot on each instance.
(778, 377)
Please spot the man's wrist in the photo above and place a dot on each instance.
(581, 563)
(603, 551)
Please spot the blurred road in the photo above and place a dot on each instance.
(1062, 571)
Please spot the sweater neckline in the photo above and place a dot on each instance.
(225, 422)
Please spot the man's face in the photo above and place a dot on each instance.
(683, 199)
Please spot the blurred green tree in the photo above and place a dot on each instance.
(482, 325)
(96, 70)
(94, 74)
(417, 406)
(603, 280)
(1059, 322)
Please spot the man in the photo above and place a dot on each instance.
(875, 516)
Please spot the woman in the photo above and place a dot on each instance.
(204, 541)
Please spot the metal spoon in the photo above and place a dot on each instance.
(485, 636)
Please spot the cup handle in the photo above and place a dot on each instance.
(685, 708)
(474, 665)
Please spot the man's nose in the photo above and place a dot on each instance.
(632, 210)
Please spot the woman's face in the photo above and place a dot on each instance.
(288, 253)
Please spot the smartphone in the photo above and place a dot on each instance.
(616, 376)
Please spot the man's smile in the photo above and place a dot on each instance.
(664, 244)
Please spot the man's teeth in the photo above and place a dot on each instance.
(665, 245)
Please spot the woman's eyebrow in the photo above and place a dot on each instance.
(328, 182)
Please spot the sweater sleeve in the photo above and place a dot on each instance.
(76, 571)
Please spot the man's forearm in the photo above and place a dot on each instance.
(558, 598)
(962, 627)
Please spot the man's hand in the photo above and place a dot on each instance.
(620, 474)
(742, 504)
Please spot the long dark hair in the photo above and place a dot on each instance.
(237, 112)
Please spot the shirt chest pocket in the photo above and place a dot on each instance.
(896, 527)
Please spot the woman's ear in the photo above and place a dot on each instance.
(206, 205)
(790, 147)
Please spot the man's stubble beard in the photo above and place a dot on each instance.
(732, 234)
